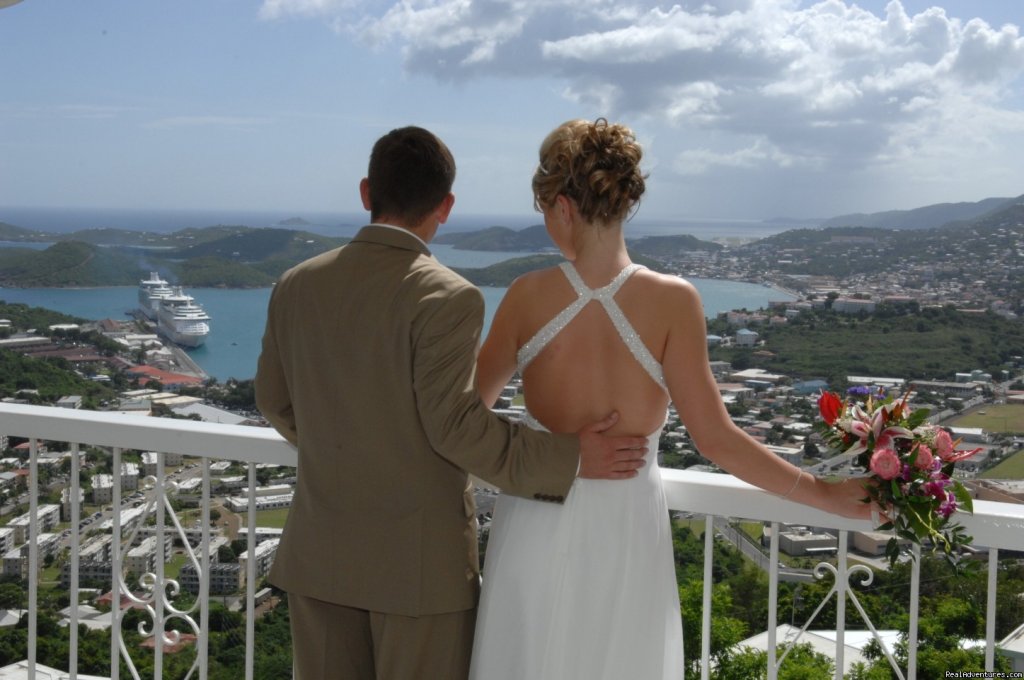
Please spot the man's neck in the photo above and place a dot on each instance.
(424, 231)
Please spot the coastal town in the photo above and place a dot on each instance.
(145, 373)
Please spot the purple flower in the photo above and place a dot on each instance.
(948, 507)
(936, 489)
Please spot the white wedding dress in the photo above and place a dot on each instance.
(586, 590)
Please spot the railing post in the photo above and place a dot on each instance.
(915, 596)
(159, 585)
(250, 586)
(705, 619)
(841, 585)
(73, 582)
(990, 613)
(115, 573)
(204, 583)
(773, 603)
(33, 555)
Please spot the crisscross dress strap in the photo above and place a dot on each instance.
(606, 296)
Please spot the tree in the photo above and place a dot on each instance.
(801, 663)
(12, 596)
(725, 630)
(225, 555)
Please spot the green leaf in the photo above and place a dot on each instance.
(917, 417)
(963, 497)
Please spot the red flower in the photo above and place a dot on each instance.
(830, 406)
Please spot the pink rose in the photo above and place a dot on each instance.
(943, 445)
(885, 463)
(924, 459)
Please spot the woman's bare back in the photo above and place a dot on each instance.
(587, 370)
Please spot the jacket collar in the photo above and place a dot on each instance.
(396, 237)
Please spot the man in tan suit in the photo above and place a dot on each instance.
(368, 368)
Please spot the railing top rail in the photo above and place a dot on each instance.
(129, 431)
(994, 525)
(998, 525)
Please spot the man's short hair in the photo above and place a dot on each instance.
(411, 172)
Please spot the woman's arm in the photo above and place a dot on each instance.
(697, 399)
(496, 363)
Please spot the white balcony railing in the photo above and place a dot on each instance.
(994, 526)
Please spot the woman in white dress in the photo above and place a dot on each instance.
(587, 589)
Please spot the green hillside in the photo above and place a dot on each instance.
(499, 239)
(504, 273)
(672, 245)
(23, 317)
(221, 256)
(68, 263)
(932, 344)
(9, 232)
(51, 378)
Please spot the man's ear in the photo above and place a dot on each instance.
(445, 209)
(364, 193)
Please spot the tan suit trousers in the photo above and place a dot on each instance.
(334, 642)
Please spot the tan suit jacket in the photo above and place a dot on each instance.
(368, 368)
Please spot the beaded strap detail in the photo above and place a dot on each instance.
(606, 296)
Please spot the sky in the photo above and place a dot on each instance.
(746, 109)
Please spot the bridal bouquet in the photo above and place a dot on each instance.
(911, 465)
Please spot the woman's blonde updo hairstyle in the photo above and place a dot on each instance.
(595, 164)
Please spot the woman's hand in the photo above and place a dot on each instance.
(847, 498)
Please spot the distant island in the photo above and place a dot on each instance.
(238, 256)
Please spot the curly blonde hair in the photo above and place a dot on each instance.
(595, 164)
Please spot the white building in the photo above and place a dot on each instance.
(65, 502)
(19, 671)
(847, 305)
(142, 558)
(151, 460)
(791, 454)
(824, 642)
(72, 402)
(103, 484)
(264, 558)
(16, 560)
(240, 504)
(49, 517)
(7, 536)
(130, 517)
(746, 337)
(798, 541)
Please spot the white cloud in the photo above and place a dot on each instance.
(771, 83)
(759, 154)
(275, 9)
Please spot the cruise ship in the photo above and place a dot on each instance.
(182, 320)
(151, 291)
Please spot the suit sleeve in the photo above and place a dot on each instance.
(273, 398)
(459, 425)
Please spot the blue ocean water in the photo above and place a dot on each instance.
(238, 316)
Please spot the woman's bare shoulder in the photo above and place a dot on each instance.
(668, 287)
(533, 282)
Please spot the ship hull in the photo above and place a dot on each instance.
(178, 317)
